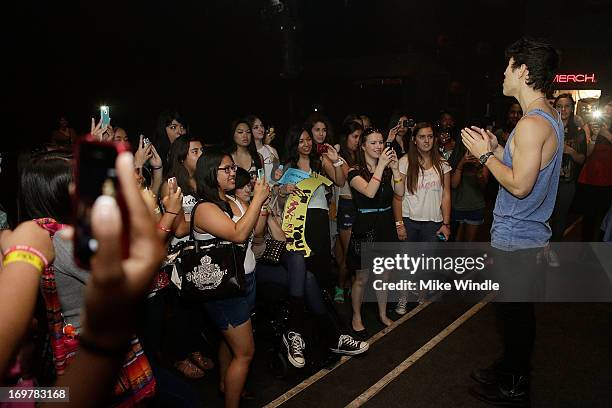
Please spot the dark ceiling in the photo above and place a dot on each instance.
(215, 60)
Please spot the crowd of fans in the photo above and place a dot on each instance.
(413, 181)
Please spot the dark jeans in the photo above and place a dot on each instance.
(421, 231)
(292, 274)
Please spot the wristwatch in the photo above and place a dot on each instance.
(483, 159)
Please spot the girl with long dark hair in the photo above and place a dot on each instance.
(399, 134)
(225, 217)
(348, 149)
(170, 125)
(374, 181)
(301, 155)
(269, 155)
(243, 149)
(182, 159)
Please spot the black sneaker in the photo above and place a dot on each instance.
(349, 346)
(295, 348)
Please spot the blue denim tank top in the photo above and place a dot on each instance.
(521, 223)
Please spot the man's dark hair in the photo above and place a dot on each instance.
(541, 59)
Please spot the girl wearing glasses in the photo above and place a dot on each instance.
(225, 217)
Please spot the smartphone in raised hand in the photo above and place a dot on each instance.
(104, 115)
(261, 174)
(95, 175)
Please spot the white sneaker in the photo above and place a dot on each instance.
(400, 308)
(349, 346)
(553, 259)
(295, 348)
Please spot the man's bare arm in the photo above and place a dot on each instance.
(529, 138)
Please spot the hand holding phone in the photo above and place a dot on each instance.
(408, 123)
(321, 148)
(388, 145)
(95, 175)
(261, 174)
(104, 116)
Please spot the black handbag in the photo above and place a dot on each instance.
(274, 250)
(210, 269)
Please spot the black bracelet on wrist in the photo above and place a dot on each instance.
(157, 168)
(170, 212)
(92, 347)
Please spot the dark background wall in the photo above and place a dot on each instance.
(217, 60)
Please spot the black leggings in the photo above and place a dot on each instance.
(292, 274)
(319, 241)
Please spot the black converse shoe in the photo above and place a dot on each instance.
(295, 348)
(349, 346)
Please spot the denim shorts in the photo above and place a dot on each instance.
(233, 311)
(470, 217)
(346, 214)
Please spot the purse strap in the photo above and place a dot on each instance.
(192, 218)
(191, 225)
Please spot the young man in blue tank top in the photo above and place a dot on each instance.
(527, 170)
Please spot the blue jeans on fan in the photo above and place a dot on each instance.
(421, 231)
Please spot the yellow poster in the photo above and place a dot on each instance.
(294, 216)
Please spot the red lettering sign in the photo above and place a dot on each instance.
(575, 78)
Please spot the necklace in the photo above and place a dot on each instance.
(532, 102)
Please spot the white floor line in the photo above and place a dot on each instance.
(323, 372)
(383, 382)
